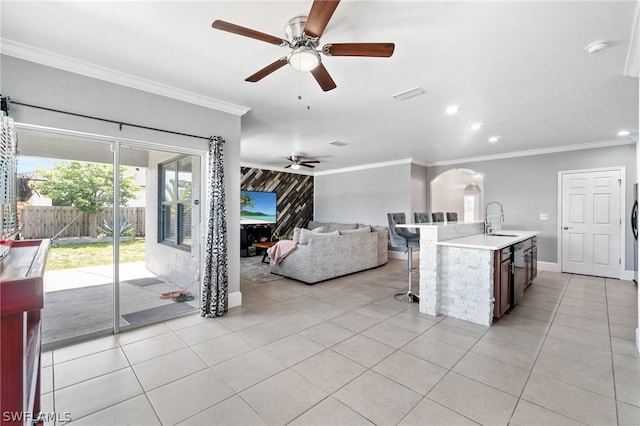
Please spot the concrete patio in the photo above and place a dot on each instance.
(79, 301)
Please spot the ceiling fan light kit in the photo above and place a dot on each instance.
(303, 36)
(303, 59)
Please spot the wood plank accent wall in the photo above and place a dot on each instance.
(295, 196)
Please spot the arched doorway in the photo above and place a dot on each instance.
(460, 191)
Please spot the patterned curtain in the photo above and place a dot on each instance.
(215, 289)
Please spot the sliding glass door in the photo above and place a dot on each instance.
(109, 268)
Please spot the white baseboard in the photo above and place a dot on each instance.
(235, 299)
(628, 275)
(548, 266)
(554, 267)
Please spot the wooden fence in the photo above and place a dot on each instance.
(47, 221)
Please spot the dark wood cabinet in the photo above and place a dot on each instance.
(502, 281)
(515, 268)
(250, 234)
(21, 286)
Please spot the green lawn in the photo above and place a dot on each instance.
(91, 254)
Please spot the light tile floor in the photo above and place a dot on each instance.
(344, 352)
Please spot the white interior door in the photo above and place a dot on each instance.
(591, 223)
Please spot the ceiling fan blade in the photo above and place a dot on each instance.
(287, 166)
(323, 78)
(274, 66)
(306, 165)
(310, 162)
(247, 32)
(380, 50)
(319, 16)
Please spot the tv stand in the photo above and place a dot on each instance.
(250, 234)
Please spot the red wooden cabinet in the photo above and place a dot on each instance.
(21, 300)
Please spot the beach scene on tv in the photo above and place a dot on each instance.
(257, 207)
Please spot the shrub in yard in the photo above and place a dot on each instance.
(125, 228)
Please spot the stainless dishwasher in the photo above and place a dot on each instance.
(519, 270)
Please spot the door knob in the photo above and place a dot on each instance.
(567, 227)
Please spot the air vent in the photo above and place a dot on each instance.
(337, 143)
(408, 94)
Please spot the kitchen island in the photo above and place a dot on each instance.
(461, 268)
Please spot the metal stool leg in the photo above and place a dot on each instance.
(409, 296)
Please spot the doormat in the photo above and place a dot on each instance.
(143, 282)
(157, 313)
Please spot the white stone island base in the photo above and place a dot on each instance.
(466, 284)
(457, 271)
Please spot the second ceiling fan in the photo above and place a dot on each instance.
(303, 38)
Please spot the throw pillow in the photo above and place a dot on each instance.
(306, 235)
(297, 231)
(364, 229)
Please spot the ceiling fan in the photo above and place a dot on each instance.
(297, 161)
(303, 38)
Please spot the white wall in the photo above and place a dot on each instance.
(419, 190)
(363, 196)
(528, 186)
(32, 83)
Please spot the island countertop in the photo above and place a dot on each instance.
(499, 240)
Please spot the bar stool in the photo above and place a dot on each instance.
(421, 217)
(437, 217)
(452, 217)
(403, 238)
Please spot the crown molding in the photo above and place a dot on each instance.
(277, 169)
(632, 63)
(541, 151)
(368, 166)
(44, 57)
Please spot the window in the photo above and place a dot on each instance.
(472, 202)
(175, 202)
(470, 207)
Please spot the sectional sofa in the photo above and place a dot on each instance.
(338, 250)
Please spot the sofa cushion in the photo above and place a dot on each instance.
(313, 224)
(332, 226)
(306, 235)
(355, 231)
(296, 232)
(341, 226)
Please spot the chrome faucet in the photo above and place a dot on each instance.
(488, 226)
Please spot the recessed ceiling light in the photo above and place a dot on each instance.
(407, 94)
(493, 139)
(337, 143)
(624, 133)
(476, 126)
(596, 46)
(453, 109)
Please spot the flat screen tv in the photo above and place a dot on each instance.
(258, 207)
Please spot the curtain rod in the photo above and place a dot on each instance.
(106, 120)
